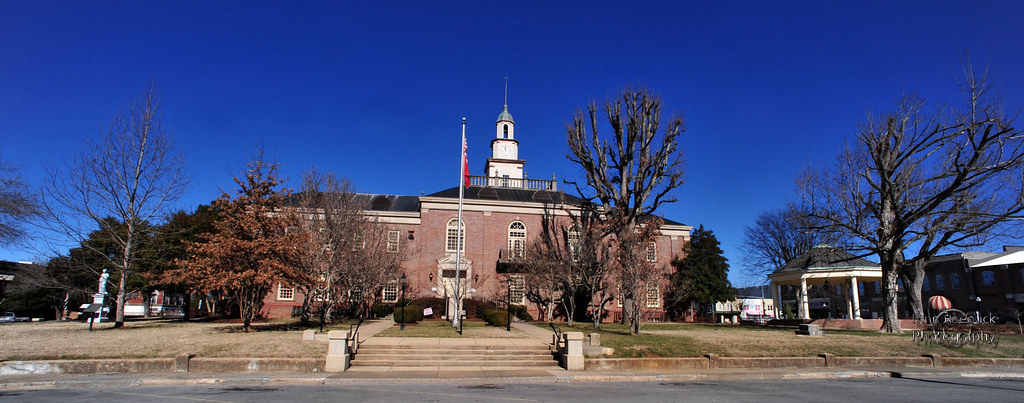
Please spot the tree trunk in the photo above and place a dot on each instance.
(913, 281)
(890, 311)
(119, 308)
(186, 307)
(147, 303)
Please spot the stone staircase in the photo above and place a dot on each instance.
(379, 352)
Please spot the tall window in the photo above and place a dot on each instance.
(517, 289)
(506, 130)
(516, 240)
(390, 293)
(652, 252)
(955, 279)
(925, 285)
(573, 242)
(455, 236)
(988, 278)
(393, 237)
(939, 285)
(285, 293)
(358, 242)
(653, 295)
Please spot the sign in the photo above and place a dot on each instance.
(428, 311)
(955, 320)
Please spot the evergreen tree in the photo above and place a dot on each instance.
(701, 277)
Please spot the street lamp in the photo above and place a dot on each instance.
(508, 307)
(401, 283)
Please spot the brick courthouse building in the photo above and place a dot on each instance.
(502, 214)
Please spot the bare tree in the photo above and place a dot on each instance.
(926, 181)
(328, 213)
(778, 236)
(568, 259)
(632, 171)
(350, 256)
(637, 274)
(17, 204)
(131, 174)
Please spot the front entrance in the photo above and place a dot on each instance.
(446, 287)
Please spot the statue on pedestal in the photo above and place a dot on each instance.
(103, 282)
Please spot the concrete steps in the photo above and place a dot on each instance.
(503, 356)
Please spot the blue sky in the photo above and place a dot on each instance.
(377, 91)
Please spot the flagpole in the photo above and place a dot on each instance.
(459, 231)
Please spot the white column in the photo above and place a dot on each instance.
(849, 303)
(775, 300)
(855, 297)
(805, 309)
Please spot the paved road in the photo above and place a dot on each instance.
(945, 389)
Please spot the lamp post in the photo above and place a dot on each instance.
(401, 283)
(508, 307)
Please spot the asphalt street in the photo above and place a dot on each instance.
(939, 389)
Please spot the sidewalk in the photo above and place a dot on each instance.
(30, 382)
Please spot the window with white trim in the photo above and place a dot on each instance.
(393, 238)
(653, 295)
(358, 242)
(516, 240)
(454, 236)
(285, 293)
(572, 239)
(389, 294)
(988, 277)
(517, 289)
(652, 252)
(355, 293)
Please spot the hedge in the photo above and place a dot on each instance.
(496, 317)
(413, 314)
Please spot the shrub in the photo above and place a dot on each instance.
(519, 311)
(496, 317)
(381, 310)
(413, 314)
(436, 304)
(475, 308)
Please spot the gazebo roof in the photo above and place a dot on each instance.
(824, 257)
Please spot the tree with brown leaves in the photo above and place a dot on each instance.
(252, 248)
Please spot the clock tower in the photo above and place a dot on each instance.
(504, 162)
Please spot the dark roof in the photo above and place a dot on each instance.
(521, 195)
(8, 268)
(509, 194)
(823, 257)
(389, 202)
(377, 202)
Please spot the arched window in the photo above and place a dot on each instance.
(573, 242)
(516, 239)
(455, 238)
(938, 282)
(988, 278)
(506, 131)
(955, 280)
(925, 285)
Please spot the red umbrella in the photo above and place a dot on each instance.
(939, 302)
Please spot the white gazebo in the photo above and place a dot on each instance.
(822, 265)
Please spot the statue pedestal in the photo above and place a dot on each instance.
(98, 299)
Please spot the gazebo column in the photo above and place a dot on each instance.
(805, 311)
(777, 298)
(849, 303)
(855, 297)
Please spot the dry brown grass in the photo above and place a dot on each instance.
(682, 340)
(153, 339)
